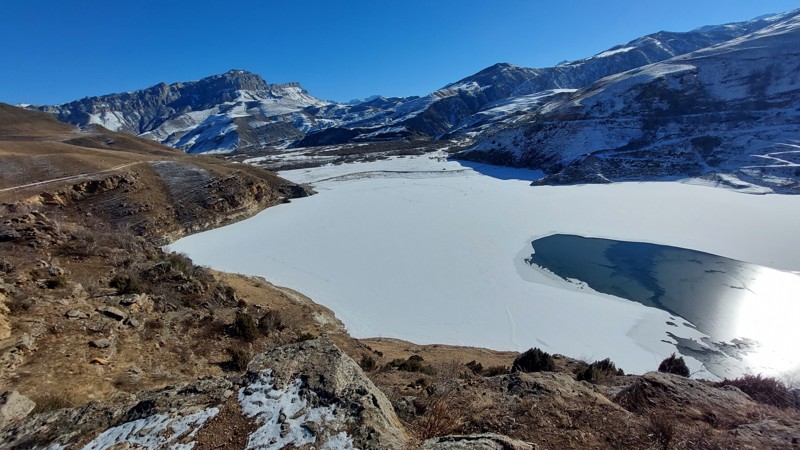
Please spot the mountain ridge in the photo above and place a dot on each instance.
(238, 110)
(726, 112)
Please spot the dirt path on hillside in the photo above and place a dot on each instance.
(71, 177)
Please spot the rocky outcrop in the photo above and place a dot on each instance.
(332, 378)
(309, 393)
(14, 407)
(477, 442)
(5, 325)
(694, 398)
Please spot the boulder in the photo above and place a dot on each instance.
(5, 324)
(112, 312)
(100, 343)
(476, 442)
(75, 314)
(326, 376)
(694, 399)
(13, 407)
(771, 433)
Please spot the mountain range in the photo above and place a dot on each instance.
(718, 101)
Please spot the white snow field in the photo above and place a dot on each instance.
(431, 251)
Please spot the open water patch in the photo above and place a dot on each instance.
(747, 310)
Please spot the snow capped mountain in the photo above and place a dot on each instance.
(499, 92)
(221, 113)
(666, 104)
(728, 112)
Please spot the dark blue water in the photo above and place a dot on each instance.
(726, 299)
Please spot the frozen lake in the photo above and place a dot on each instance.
(431, 251)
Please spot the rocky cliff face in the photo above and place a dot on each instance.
(223, 112)
(727, 112)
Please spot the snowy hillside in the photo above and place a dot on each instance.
(728, 112)
(497, 93)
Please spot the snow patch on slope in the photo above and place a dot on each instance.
(157, 431)
(284, 416)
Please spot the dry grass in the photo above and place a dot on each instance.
(766, 390)
(53, 401)
(441, 414)
(662, 426)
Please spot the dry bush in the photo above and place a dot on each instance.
(240, 357)
(534, 360)
(52, 401)
(245, 326)
(662, 426)
(126, 284)
(180, 262)
(494, 371)
(271, 321)
(674, 365)
(475, 367)
(368, 363)
(441, 414)
(598, 371)
(451, 370)
(412, 364)
(767, 390)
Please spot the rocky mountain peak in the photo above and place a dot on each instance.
(236, 79)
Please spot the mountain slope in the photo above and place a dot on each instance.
(219, 113)
(238, 110)
(497, 93)
(728, 112)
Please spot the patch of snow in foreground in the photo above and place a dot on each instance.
(282, 414)
(156, 431)
(440, 259)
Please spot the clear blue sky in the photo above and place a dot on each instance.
(59, 50)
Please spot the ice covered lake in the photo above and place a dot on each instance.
(432, 251)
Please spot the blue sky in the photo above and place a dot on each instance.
(59, 50)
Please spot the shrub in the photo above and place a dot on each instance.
(304, 336)
(674, 365)
(245, 327)
(180, 262)
(271, 321)
(765, 390)
(368, 363)
(56, 281)
(412, 364)
(240, 357)
(494, 371)
(126, 284)
(534, 360)
(53, 401)
(441, 414)
(475, 367)
(598, 371)
(662, 427)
